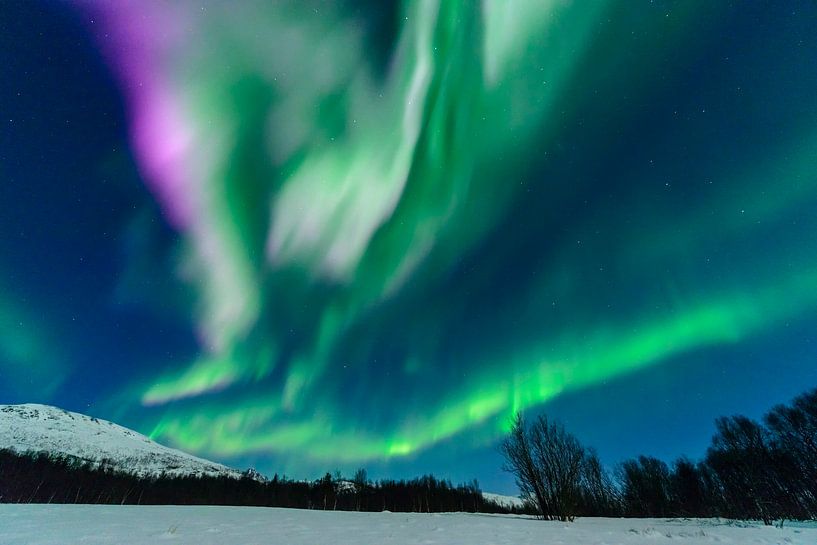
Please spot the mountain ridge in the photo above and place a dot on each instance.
(35, 428)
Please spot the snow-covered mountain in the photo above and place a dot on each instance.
(42, 428)
(507, 501)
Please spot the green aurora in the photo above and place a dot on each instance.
(401, 225)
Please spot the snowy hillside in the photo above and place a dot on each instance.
(41, 428)
(508, 501)
(147, 525)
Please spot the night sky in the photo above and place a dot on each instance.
(309, 235)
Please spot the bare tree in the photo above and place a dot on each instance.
(646, 485)
(599, 492)
(549, 464)
(743, 460)
(793, 431)
(361, 482)
(518, 454)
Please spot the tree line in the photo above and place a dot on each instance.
(50, 478)
(752, 470)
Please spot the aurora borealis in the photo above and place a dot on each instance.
(357, 233)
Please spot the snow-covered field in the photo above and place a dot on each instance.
(85, 524)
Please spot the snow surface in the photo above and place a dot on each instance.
(152, 525)
(42, 428)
